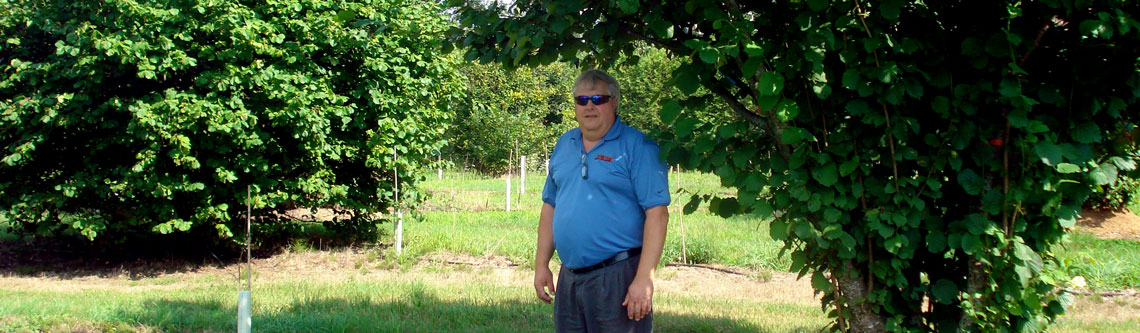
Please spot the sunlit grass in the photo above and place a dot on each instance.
(389, 292)
(1105, 263)
(417, 301)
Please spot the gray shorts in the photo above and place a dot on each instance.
(591, 302)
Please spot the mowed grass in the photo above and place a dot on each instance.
(389, 292)
(1105, 263)
(705, 238)
(424, 300)
(461, 225)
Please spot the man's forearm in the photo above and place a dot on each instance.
(545, 237)
(653, 241)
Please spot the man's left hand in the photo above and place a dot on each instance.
(639, 300)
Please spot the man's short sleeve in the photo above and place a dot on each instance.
(550, 189)
(650, 176)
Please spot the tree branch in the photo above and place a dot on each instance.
(1040, 34)
(668, 46)
(742, 111)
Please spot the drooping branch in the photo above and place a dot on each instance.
(742, 111)
(672, 47)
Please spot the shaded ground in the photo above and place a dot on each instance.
(1108, 224)
(70, 269)
(703, 281)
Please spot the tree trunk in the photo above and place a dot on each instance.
(975, 280)
(863, 319)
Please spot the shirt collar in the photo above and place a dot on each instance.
(616, 130)
(613, 133)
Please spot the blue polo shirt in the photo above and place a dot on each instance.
(603, 213)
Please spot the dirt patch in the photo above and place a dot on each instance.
(469, 260)
(1096, 308)
(779, 287)
(1110, 224)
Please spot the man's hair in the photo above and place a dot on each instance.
(590, 78)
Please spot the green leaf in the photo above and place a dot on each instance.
(770, 84)
(1049, 153)
(662, 28)
(832, 215)
(787, 110)
(936, 241)
(971, 244)
(558, 25)
(1010, 87)
(728, 131)
(894, 244)
(890, 9)
(687, 81)
(1123, 164)
(914, 88)
(767, 102)
(345, 15)
(976, 223)
(728, 207)
(628, 6)
(1087, 132)
(778, 229)
(752, 65)
(670, 111)
(970, 182)
(710, 55)
(820, 282)
(1036, 126)
(848, 167)
(684, 127)
(1105, 174)
(793, 135)
(945, 291)
(1068, 168)
(851, 79)
(818, 5)
(826, 175)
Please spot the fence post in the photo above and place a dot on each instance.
(681, 219)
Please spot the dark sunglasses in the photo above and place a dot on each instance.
(597, 99)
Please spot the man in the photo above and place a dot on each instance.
(605, 211)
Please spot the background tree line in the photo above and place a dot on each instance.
(528, 108)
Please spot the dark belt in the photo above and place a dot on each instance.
(623, 255)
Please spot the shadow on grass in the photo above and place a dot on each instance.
(419, 312)
(69, 257)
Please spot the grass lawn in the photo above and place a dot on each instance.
(1105, 263)
(373, 289)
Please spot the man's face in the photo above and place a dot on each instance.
(595, 118)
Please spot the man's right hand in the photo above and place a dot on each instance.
(544, 280)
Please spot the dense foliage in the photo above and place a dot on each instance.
(920, 160)
(122, 118)
(1116, 197)
(510, 113)
(524, 110)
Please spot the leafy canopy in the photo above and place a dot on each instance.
(121, 118)
(906, 151)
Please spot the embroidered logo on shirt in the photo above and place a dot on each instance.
(604, 158)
